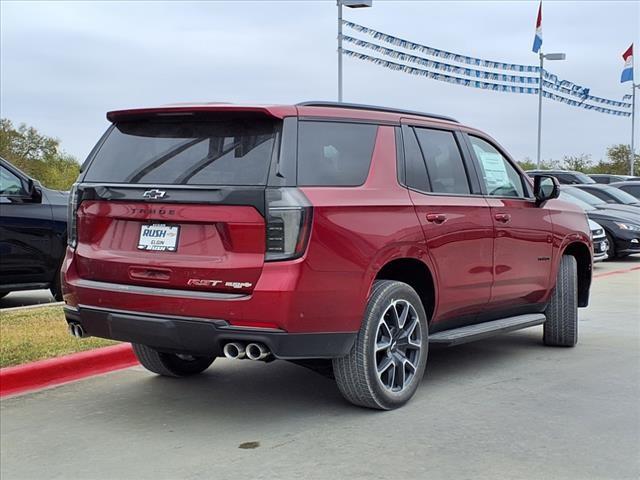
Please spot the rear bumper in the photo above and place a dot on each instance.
(204, 337)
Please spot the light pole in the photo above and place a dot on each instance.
(350, 4)
(633, 125)
(548, 56)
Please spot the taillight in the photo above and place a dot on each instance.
(72, 221)
(288, 223)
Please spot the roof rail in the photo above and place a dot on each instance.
(360, 106)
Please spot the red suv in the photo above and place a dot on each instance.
(325, 234)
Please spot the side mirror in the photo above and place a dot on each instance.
(33, 191)
(545, 187)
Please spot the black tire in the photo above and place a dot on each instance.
(170, 364)
(611, 251)
(56, 288)
(357, 374)
(561, 327)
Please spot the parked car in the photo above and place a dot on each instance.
(632, 187)
(610, 194)
(607, 178)
(33, 233)
(597, 202)
(326, 234)
(600, 242)
(565, 177)
(622, 227)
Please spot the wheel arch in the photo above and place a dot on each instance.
(582, 253)
(416, 273)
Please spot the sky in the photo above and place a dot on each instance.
(63, 65)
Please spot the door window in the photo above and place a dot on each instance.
(444, 162)
(416, 171)
(10, 184)
(499, 176)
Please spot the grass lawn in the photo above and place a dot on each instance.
(38, 333)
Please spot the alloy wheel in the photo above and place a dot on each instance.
(398, 346)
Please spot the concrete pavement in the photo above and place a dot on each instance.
(26, 297)
(507, 407)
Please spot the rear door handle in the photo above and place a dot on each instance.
(502, 217)
(436, 217)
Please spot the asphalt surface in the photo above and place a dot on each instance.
(25, 298)
(507, 407)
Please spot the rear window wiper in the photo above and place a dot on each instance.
(159, 160)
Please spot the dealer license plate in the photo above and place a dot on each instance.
(159, 237)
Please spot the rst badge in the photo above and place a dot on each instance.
(159, 237)
(205, 282)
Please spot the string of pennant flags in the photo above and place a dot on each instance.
(479, 78)
(562, 86)
(477, 83)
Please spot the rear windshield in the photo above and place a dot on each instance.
(161, 151)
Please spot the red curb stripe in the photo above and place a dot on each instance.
(55, 371)
(616, 272)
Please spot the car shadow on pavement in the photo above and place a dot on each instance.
(235, 393)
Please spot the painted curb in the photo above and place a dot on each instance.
(55, 371)
(615, 272)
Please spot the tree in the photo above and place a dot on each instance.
(527, 164)
(578, 163)
(37, 155)
(617, 162)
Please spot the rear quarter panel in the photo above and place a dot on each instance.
(356, 230)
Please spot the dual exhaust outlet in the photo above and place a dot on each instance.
(252, 351)
(76, 330)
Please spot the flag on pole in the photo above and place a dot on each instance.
(537, 40)
(627, 71)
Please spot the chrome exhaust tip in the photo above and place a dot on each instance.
(257, 351)
(234, 350)
(77, 331)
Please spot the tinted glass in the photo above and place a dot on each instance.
(600, 194)
(576, 201)
(334, 153)
(10, 184)
(415, 168)
(499, 176)
(583, 177)
(566, 178)
(444, 162)
(633, 190)
(620, 196)
(226, 152)
(584, 196)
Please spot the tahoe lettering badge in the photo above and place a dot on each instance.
(159, 237)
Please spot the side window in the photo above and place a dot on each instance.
(633, 190)
(498, 175)
(444, 162)
(334, 153)
(601, 195)
(10, 184)
(416, 171)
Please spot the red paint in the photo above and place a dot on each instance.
(55, 371)
(483, 253)
(216, 243)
